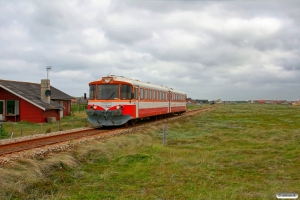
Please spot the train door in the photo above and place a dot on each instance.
(136, 92)
(1, 110)
(169, 100)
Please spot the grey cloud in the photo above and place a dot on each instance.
(197, 52)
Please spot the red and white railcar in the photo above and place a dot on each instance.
(115, 100)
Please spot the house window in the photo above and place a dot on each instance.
(12, 107)
(1, 108)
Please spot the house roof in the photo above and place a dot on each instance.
(81, 100)
(31, 92)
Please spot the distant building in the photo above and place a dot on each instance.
(271, 101)
(218, 101)
(32, 102)
(201, 101)
(80, 100)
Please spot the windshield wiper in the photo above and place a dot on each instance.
(111, 95)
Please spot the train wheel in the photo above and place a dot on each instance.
(133, 121)
(126, 125)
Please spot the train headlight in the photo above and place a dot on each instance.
(107, 79)
(119, 107)
(94, 107)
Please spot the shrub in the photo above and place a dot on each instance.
(3, 133)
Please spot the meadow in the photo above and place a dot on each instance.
(238, 151)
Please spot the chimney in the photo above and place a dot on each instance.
(45, 90)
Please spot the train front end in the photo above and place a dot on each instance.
(111, 102)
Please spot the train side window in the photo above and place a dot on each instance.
(137, 93)
(160, 95)
(146, 94)
(142, 94)
(92, 92)
(154, 95)
(150, 94)
(125, 92)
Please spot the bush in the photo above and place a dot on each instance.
(3, 133)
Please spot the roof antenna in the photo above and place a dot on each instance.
(48, 92)
(109, 70)
(48, 68)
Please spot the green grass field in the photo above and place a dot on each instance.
(240, 151)
(77, 119)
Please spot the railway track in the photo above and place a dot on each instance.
(22, 145)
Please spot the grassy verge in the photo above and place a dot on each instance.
(24, 128)
(239, 151)
(78, 119)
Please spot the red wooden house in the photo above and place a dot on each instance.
(23, 101)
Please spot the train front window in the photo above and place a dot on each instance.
(108, 92)
(92, 91)
(125, 92)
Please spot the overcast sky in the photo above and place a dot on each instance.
(229, 50)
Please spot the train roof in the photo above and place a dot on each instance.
(137, 82)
